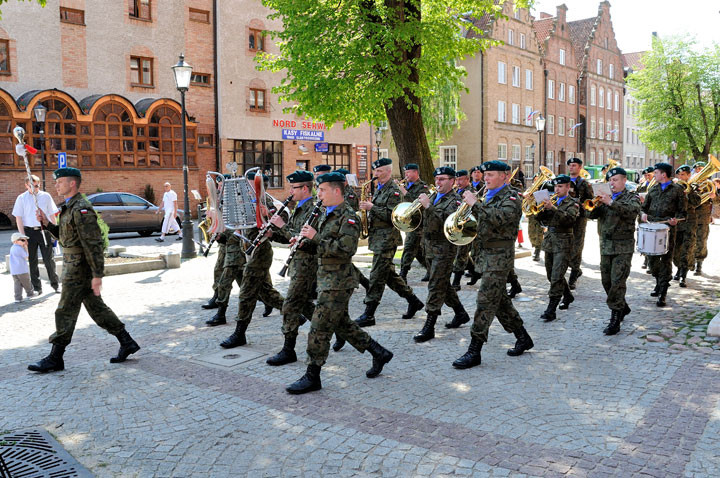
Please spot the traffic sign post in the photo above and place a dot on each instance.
(62, 160)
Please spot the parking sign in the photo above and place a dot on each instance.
(62, 160)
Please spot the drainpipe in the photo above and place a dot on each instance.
(218, 154)
(545, 105)
(482, 107)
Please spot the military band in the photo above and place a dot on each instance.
(581, 190)
(413, 247)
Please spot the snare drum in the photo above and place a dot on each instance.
(652, 238)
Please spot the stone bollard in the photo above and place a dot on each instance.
(115, 251)
(714, 326)
(172, 260)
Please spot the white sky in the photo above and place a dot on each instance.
(635, 20)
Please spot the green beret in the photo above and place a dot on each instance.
(342, 171)
(561, 179)
(648, 170)
(682, 168)
(475, 168)
(411, 166)
(300, 177)
(65, 172)
(382, 162)
(461, 172)
(616, 170)
(664, 167)
(331, 177)
(494, 166)
(251, 176)
(699, 164)
(444, 170)
(575, 161)
(322, 167)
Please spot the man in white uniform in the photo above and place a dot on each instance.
(28, 225)
(169, 205)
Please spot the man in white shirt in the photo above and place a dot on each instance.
(28, 225)
(169, 205)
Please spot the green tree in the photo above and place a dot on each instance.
(356, 61)
(679, 93)
(41, 2)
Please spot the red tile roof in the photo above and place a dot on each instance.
(542, 28)
(634, 60)
(580, 31)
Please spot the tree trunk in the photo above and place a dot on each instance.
(408, 132)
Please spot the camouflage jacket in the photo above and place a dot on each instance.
(662, 205)
(417, 188)
(436, 244)
(234, 250)
(335, 244)
(79, 234)
(616, 223)
(263, 255)
(704, 213)
(383, 235)
(559, 221)
(304, 258)
(351, 198)
(691, 216)
(581, 190)
(498, 221)
(642, 186)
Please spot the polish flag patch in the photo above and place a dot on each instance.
(351, 221)
(513, 198)
(397, 193)
(83, 211)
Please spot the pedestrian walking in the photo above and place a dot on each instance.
(169, 205)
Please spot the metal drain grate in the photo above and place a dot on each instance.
(35, 454)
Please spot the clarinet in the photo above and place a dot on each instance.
(260, 238)
(311, 220)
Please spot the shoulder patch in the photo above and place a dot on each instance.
(83, 211)
(458, 202)
(351, 220)
(397, 193)
(513, 198)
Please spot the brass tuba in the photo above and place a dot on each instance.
(461, 227)
(701, 182)
(528, 203)
(407, 216)
(612, 163)
(364, 190)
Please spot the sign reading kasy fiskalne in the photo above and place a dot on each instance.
(302, 134)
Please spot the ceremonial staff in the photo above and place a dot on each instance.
(22, 149)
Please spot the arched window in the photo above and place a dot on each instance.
(7, 145)
(164, 135)
(61, 132)
(113, 137)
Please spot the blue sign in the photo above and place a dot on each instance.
(321, 147)
(62, 160)
(303, 135)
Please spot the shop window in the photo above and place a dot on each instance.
(140, 10)
(267, 155)
(141, 71)
(338, 156)
(256, 40)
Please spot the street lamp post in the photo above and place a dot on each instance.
(540, 127)
(183, 74)
(40, 111)
(673, 146)
(378, 140)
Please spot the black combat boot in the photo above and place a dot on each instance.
(414, 305)
(52, 363)
(471, 357)
(212, 303)
(457, 277)
(574, 276)
(428, 330)
(656, 290)
(645, 263)
(460, 317)
(549, 314)
(536, 255)
(626, 310)
(426, 277)
(698, 268)
(237, 338)
(567, 299)
(219, 317)
(364, 281)
(523, 343)
(683, 277)
(310, 382)
(404, 272)
(339, 343)
(678, 272)
(268, 310)
(367, 318)
(286, 355)
(474, 277)
(127, 347)
(613, 326)
(515, 288)
(661, 302)
(380, 356)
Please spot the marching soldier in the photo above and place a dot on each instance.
(646, 179)
(476, 178)
(478, 185)
(515, 288)
(559, 218)
(581, 190)
(79, 234)
(335, 242)
(665, 202)
(439, 253)
(383, 242)
(535, 231)
(217, 271)
(616, 215)
(413, 248)
(256, 281)
(498, 218)
(321, 169)
(462, 258)
(303, 269)
(232, 253)
(686, 231)
(353, 201)
(704, 219)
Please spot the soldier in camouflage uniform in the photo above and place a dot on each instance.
(352, 199)
(221, 240)
(79, 234)
(665, 201)
(581, 190)
(686, 231)
(383, 242)
(256, 281)
(477, 183)
(335, 241)
(413, 247)
(616, 215)
(232, 253)
(559, 217)
(642, 188)
(498, 219)
(704, 219)
(462, 255)
(535, 231)
(321, 169)
(440, 253)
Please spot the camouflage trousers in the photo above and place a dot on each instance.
(685, 240)
(439, 290)
(413, 249)
(661, 266)
(298, 299)
(535, 231)
(556, 265)
(219, 266)
(701, 251)
(382, 273)
(614, 272)
(492, 301)
(74, 295)
(462, 257)
(224, 286)
(256, 285)
(578, 243)
(331, 316)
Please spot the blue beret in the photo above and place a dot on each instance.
(331, 177)
(682, 168)
(575, 161)
(66, 172)
(322, 167)
(461, 172)
(616, 170)
(382, 162)
(411, 166)
(444, 170)
(494, 166)
(300, 177)
(475, 168)
(561, 179)
(664, 167)
(342, 171)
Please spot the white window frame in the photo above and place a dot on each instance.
(601, 156)
(551, 89)
(562, 57)
(571, 94)
(599, 67)
(550, 159)
(517, 148)
(529, 153)
(528, 79)
(561, 126)
(611, 71)
(502, 113)
(523, 43)
(515, 113)
(561, 93)
(502, 73)
(384, 153)
(601, 97)
(602, 132)
(617, 101)
(571, 130)
(502, 150)
(616, 134)
(448, 156)
(592, 128)
(528, 118)
(551, 124)
(592, 157)
(516, 76)
(511, 36)
(609, 99)
(593, 95)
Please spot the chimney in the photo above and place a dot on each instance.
(545, 15)
(561, 13)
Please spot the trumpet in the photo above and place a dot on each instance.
(407, 216)
(365, 229)
(590, 204)
(461, 227)
(538, 208)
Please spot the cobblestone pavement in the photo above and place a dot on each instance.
(645, 402)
